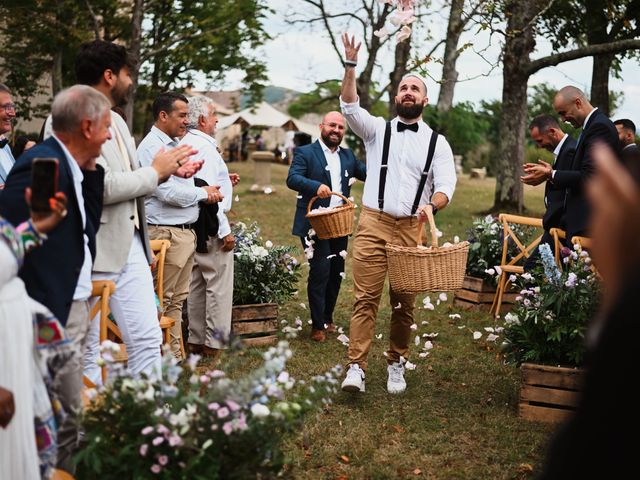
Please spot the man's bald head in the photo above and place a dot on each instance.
(332, 129)
(572, 105)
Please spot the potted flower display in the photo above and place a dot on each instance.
(194, 424)
(486, 238)
(545, 331)
(265, 275)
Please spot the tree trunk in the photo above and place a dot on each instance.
(600, 82)
(134, 51)
(519, 43)
(403, 51)
(56, 72)
(449, 72)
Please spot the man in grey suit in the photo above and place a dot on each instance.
(123, 251)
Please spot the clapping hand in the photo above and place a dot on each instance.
(536, 173)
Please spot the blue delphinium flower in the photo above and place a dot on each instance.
(551, 270)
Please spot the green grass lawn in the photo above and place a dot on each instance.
(458, 417)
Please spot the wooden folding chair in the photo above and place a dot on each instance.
(102, 290)
(558, 234)
(584, 242)
(160, 248)
(515, 264)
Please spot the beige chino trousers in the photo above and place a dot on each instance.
(375, 230)
(177, 274)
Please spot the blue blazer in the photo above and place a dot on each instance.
(50, 272)
(309, 170)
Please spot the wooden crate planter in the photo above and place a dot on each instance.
(477, 293)
(255, 324)
(548, 394)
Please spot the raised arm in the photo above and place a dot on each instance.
(348, 92)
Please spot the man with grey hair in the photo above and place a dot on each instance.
(211, 290)
(173, 208)
(7, 114)
(58, 274)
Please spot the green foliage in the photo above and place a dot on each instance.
(464, 128)
(324, 98)
(195, 424)
(551, 314)
(262, 274)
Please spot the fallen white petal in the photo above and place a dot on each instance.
(477, 335)
(413, 327)
(442, 297)
(491, 337)
(352, 180)
(303, 306)
(417, 340)
(410, 366)
(237, 199)
(454, 316)
(343, 338)
(423, 354)
(428, 345)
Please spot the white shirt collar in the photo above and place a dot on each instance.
(631, 145)
(327, 149)
(201, 134)
(166, 139)
(588, 117)
(76, 172)
(556, 151)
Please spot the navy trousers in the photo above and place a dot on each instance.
(323, 284)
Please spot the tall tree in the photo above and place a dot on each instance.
(171, 41)
(519, 42)
(593, 22)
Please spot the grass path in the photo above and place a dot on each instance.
(458, 418)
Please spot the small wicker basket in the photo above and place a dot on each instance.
(419, 269)
(334, 223)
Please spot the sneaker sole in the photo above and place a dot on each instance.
(353, 388)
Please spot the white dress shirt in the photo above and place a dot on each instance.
(174, 202)
(556, 151)
(6, 162)
(335, 171)
(84, 286)
(214, 172)
(407, 158)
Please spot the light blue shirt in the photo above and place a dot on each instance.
(174, 202)
(84, 287)
(6, 163)
(214, 172)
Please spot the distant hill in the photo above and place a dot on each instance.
(279, 97)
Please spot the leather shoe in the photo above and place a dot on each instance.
(211, 356)
(317, 335)
(195, 348)
(330, 328)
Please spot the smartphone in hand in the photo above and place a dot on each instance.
(44, 183)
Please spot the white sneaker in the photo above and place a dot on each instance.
(395, 382)
(354, 381)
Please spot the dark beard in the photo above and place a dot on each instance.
(410, 113)
(330, 143)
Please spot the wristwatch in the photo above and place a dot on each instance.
(433, 207)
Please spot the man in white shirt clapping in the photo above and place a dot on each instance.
(410, 169)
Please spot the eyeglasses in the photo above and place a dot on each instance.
(8, 107)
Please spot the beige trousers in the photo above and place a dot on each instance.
(211, 296)
(375, 230)
(177, 274)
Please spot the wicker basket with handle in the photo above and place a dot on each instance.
(427, 269)
(332, 223)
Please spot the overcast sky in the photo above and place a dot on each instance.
(298, 58)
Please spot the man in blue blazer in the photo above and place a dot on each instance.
(58, 274)
(317, 170)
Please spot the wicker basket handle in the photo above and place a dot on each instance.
(346, 200)
(432, 228)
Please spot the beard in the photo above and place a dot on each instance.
(329, 142)
(410, 112)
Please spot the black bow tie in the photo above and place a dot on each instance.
(403, 126)
(3, 142)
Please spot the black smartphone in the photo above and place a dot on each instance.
(44, 183)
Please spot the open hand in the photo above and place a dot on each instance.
(350, 47)
(234, 178)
